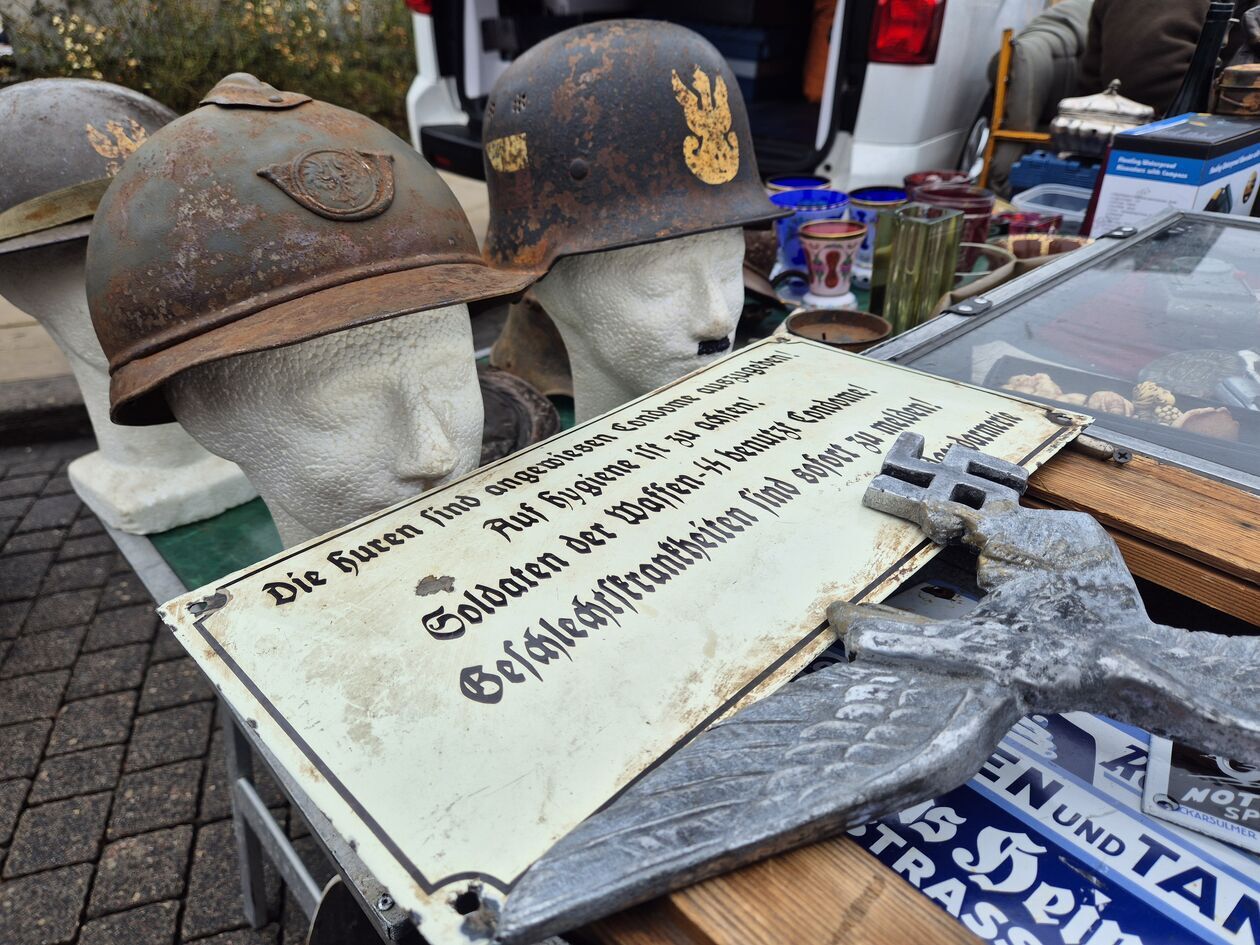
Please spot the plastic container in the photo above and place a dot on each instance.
(1042, 167)
(1071, 202)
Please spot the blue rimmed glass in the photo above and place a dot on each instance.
(776, 185)
(865, 206)
(808, 205)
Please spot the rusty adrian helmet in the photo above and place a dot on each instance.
(262, 219)
(614, 134)
(64, 139)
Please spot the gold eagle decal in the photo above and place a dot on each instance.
(712, 149)
(119, 144)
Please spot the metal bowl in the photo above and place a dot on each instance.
(839, 327)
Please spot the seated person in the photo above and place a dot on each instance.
(1146, 44)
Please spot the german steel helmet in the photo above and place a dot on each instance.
(262, 219)
(614, 134)
(64, 139)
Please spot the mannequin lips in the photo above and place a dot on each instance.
(713, 346)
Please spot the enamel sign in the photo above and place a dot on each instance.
(459, 680)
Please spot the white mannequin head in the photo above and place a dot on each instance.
(47, 284)
(140, 479)
(637, 318)
(337, 427)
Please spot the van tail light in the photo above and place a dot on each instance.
(906, 32)
(420, 6)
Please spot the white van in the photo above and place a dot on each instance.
(906, 85)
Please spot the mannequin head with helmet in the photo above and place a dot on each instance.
(318, 334)
(75, 136)
(620, 163)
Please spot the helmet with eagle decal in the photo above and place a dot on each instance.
(614, 134)
(64, 140)
(262, 219)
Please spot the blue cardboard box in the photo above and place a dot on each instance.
(1190, 162)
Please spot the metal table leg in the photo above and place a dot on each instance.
(392, 924)
(258, 835)
(254, 827)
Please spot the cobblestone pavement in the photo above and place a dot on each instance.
(115, 823)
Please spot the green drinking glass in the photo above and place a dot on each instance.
(923, 257)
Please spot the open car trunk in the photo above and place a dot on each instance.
(764, 41)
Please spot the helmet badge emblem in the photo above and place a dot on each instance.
(337, 183)
(120, 142)
(712, 149)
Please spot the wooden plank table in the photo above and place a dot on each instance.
(829, 892)
(1182, 531)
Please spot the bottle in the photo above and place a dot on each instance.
(1196, 88)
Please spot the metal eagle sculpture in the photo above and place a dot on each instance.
(919, 708)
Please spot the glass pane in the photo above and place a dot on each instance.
(1160, 342)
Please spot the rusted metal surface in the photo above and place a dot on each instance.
(60, 135)
(516, 415)
(241, 88)
(614, 134)
(248, 226)
(530, 347)
(919, 709)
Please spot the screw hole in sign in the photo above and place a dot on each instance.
(467, 902)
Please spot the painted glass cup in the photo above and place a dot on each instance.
(807, 206)
(924, 257)
(782, 182)
(865, 206)
(1019, 223)
(912, 182)
(976, 203)
(830, 247)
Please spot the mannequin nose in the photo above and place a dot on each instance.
(425, 451)
(713, 317)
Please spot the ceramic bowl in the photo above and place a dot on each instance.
(839, 327)
(1036, 249)
(987, 261)
(1040, 248)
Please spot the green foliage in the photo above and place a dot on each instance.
(353, 53)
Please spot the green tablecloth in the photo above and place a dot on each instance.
(205, 551)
